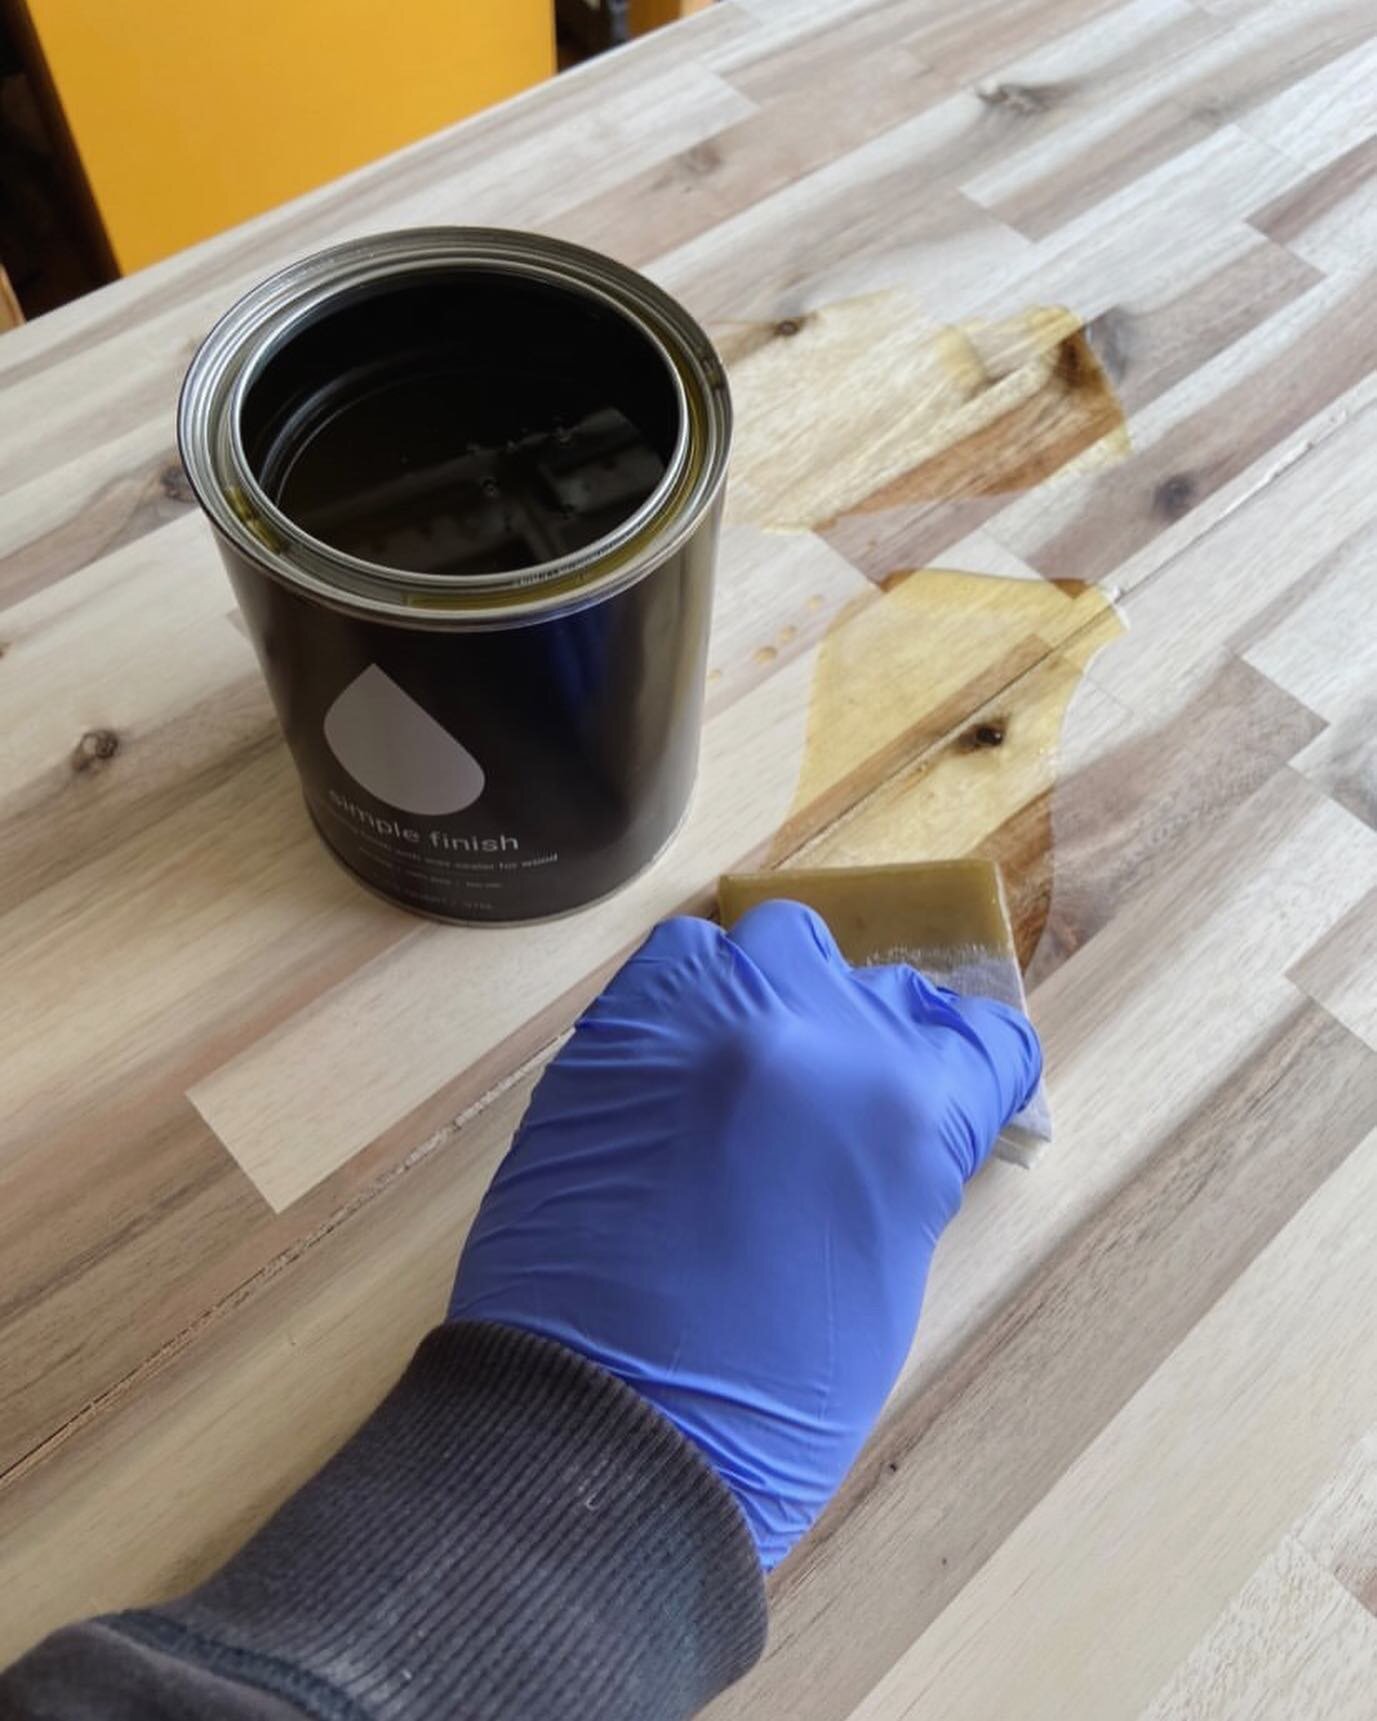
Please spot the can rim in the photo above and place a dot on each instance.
(297, 317)
(256, 326)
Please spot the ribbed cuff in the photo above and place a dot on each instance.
(512, 1533)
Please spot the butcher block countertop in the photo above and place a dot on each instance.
(1052, 537)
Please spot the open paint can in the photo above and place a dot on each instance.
(467, 486)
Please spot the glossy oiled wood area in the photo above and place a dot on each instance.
(1053, 538)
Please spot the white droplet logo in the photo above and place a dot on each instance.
(396, 750)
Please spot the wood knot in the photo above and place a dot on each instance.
(174, 483)
(892, 1467)
(702, 159)
(93, 750)
(1021, 98)
(1174, 496)
(1075, 366)
(788, 326)
(982, 735)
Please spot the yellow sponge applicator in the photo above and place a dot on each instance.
(947, 918)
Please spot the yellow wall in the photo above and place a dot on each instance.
(190, 115)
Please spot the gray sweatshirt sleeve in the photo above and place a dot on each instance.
(513, 1533)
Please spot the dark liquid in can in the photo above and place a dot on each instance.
(470, 424)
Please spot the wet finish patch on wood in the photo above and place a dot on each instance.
(915, 411)
(992, 665)
(1052, 327)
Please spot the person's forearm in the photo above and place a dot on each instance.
(512, 1533)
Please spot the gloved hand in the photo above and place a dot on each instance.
(728, 1186)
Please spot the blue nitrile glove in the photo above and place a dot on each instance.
(728, 1186)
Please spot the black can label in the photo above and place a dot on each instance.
(498, 775)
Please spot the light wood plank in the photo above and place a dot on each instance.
(1324, 650)
(124, 685)
(1341, 971)
(780, 596)
(965, 43)
(1316, 119)
(1291, 1643)
(1329, 219)
(1340, 1528)
(50, 527)
(1097, 1593)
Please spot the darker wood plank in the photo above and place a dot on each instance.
(104, 785)
(124, 1222)
(123, 508)
(1209, 447)
(1287, 217)
(1111, 830)
(1149, 345)
(109, 1228)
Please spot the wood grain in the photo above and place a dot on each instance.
(1117, 635)
(1340, 1529)
(1224, 1443)
(1291, 1643)
(1337, 972)
(922, 411)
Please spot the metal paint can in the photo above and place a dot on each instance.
(467, 486)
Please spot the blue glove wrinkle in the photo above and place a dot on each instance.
(728, 1187)
(1007, 1025)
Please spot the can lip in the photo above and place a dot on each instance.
(299, 312)
(234, 352)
